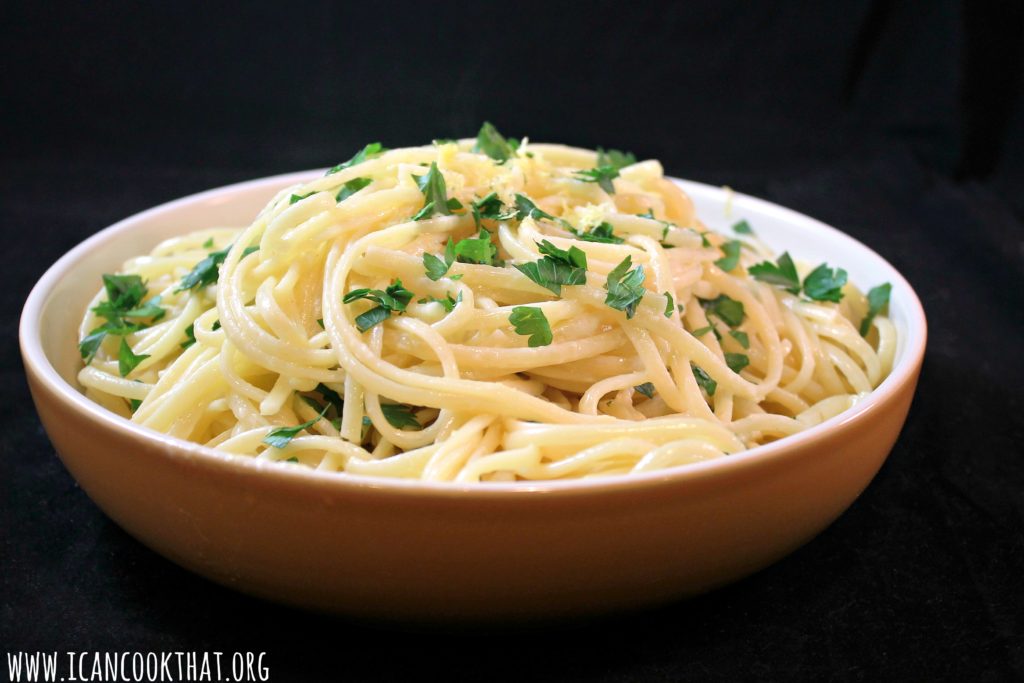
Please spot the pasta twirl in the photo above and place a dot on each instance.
(481, 310)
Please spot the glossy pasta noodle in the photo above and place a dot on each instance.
(480, 310)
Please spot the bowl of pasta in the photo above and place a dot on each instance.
(478, 379)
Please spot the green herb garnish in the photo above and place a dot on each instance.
(825, 284)
(878, 297)
(490, 207)
(351, 187)
(479, 250)
(394, 298)
(558, 267)
(704, 380)
(448, 302)
(400, 416)
(625, 287)
(742, 228)
(371, 150)
(529, 320)
(494, 144)
(602, 175)
(647, 389)
(432, 186)
(282, 436)
(670, 305)
(782, 273)
(736, 361)
(741, 338)
(615, 158)
(299, 197)
(731, 249)
(602, 232)
(190, 336)
(726, 309)
(126, 360)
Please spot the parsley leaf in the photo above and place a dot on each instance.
(282, 436)
(205, 272)
(448, 302)
(704, 380)
(736, 361)
(731, 249)
(625, 287)
(603, 232)
(782, 273)
(190, 336)
(400, 416)
(878, 297)
(394, 298)
(124, 292)
(529, 320)
(331, 396)
(126, 360)
(558, 267)
(728, 310)
(432, 186)
(671, 305)
(742, 228)
(825, 284)
(701, 331)
(435, 266)
(480, 250)
(134, 403)
(493, 144)
(490, 207)
(615, 158)
(371, 150)
(741, 338)
(525, 208)
(351, 187)
(299, 197)
(602, 175)
(208, 244)
(647, 389)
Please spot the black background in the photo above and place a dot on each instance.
(898, 122)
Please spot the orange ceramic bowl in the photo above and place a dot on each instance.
(407, 550)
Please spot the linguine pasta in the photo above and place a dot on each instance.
(480, 311)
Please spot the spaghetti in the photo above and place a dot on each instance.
(481, 310)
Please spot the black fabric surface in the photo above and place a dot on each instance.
(900, 123)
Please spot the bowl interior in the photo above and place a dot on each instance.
(54, 309)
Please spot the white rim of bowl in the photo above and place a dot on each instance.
(34, 356)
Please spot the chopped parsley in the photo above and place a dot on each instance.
(525, 208)
(134, 403)
(493, 144)
(351, 187)
(435, 266)
(614, 158)
(731, 249)
(728, 310)
(432, 186)
(400, 416)
(602, 175)
(825, 284)
(371, 150)
(490, 207)
(529, 320)
(299, 197)
(742, 228)
(123, 312)
(282, 436)
(701, 331)
(670, 304)
(736, 361)
(704, 380)
(447, 302)
(190, 336)
(821, 284)
(741, 338)
(878, 297)
(126, 360)
(625, 287)
(394, 298)
(479, 250)
(603, 232)
(205, 272)
(647, 389)
(558, 267)
(782, 273)
(208, 244)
